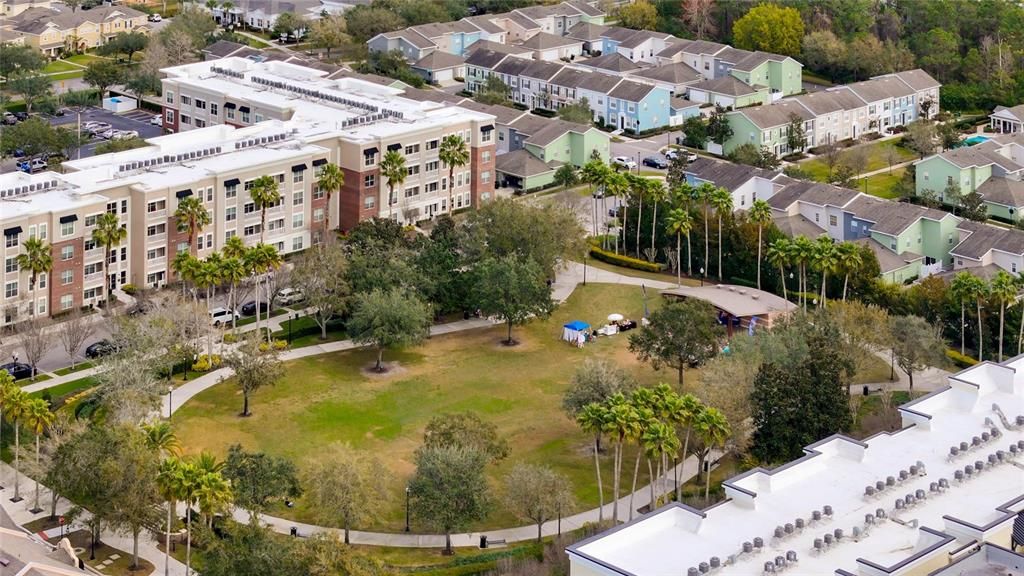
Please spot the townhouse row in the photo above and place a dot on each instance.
(238, 120)
(53, 28)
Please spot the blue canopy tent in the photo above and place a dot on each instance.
(571, 332)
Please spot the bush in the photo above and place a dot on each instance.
(626, 261)
(278, 345)
(130, 289)
(544, 113)
(230, 338)
(960, 360)
(205, 363)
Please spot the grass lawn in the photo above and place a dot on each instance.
(40, 377)
(118, 566)
(83, 59)
(329, 398)
(67, 75)
(312, 332)
(78, 367)
(67, 388)
(877, 160)
(884, 185)
(812, 78)
(58, 66)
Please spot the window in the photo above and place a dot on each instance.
(369, 159)
(156, 229)
(369, 202)
(169, 97)
(156, 206)
(412, 170)
(230, 113)
(11, 289)
(369, 181)
(182, 247)
(317, 193)
(949, 180)
(252, 230)
(155, 279)
(67, 253)
(412, 191)
(259, 117)
(485, 176)
(485, 136)
(245, 117)
(833, 220)
(200, 104)
(275, 224)
(485, 156)
(297, 243)
(298, 177)
(186, 100)
(42, 280)
(200, 242)
(66, 302)
(432, 144)
(90, 220)
(1013, 267)
(817, 217)
(431, 166)
(412, 149)
(298, 198)
(10, 265)
(200, 123)
(11, 240)
(230, 234)
(298, 220)
(93, 268)
(91, 293)
(67, 277)
(67, 229)
(90, 244)
(459, 179)
(231, 191)
(431, 187)
(248, 208)
(186, 119)
(318, 215)
(925, 176)
(111, 207)
(213, 109)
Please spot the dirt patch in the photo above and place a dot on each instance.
(388, 370)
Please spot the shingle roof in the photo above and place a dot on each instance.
(541, 70)
(677, 46)
(529, 124)
(38, 20)
(796, 225)
(1003, 191)
(570, 77)
(412, 37)
(555, 130)
(727, 85)
(618, 33)
(755, 59)
(586, 31)
(521, 20)
(512, 65)
(677, 103)
(1017, 111)
(439, 60)
(728, 175)
(484, 23)
(421, 95)
(631, 91)
(984, 237)
(598, 82)
(828, 101)
(888, 261)
(778, 114)
(585, 8)
(917, 79)
(980, 155)
(880, 89)
(704, 47)
(496, 47)
(438, 29)
(612, 61)
(675, 73)
(891, 217)
(545, 41)
(223, 48)
(523, 164)
(812, 193)
(640, 37)
(487, 58)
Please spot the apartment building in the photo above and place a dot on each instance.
(939, 496)
(53, 28)
(993, 168)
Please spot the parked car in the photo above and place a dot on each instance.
(99, 348)
(21, 116)
(157, 120)
(96, 128)
(32, 166)
(124, 135)
(221, 315)
(658, 162)
(624, 161)
(691, 157)
(10, 118)
(141, 307)
(18, 370)
(249, 308)
(671, 154)
(107, 134)
(19, 153)
(290, 296)
(154, 18)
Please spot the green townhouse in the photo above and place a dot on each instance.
(993, 169)
(538, 147)
(766, 126)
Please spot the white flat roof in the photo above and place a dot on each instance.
(835, 472)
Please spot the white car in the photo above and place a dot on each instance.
(97, 128)
(156, 120)
(290, 296)
(222, 315)
(624, 161)
(154, 18)
(671, 153)
(107, 134)
(124, 134)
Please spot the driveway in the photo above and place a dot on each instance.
(641, 148)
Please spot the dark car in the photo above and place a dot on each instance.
(249, 308)
(18, 370)
(21, 116)
(656, 162)
(99, 348)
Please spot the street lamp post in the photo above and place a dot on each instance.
(702, 276)
(170, 401)
(407, 508)
(291, 317)
(584, 269)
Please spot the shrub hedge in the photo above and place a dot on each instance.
(960, 360)
(626, 261)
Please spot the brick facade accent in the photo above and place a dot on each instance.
(353, 195)
(57, 289)
(173, 238)
(172, 126)
(478, 188)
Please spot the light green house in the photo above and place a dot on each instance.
(780, 74)
(983, 168)
(765, 126)
(566, 142)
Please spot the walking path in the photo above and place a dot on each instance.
(884, 170)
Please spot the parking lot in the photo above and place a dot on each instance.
(137, 120)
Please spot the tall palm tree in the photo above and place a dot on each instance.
(392, 167)
(207, 277)
(685, 413)
(618, 186)
(643, 401)
(979, 290)
(658, 440)
(108, 233)
(1004, 289)
(802, 250)
(264, 193)
(658, 194)
(454, 154)
(960, 290)
(850, 260)
(190, 218)
(593, 174)
(714, 430)
(825, 259)
(703, 194)
(760, 214)
(640, 189)
(186, 485)
(16, 405)
(592, 420)
(721, 199)
(619, 424)
(680, 222)
(38, 419)
(331, 178)
(633, 183)
(778, 255)
(7, 389)
(213, 495)
(261, 259)
(37, 258)
(170, 481)
(161, 438)
(232, 270)
(234, 248)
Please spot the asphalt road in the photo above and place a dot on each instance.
(637, 150)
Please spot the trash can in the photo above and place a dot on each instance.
(483, 541)
(866, 391)
(294, 531)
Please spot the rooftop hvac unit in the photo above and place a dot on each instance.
(31, 187)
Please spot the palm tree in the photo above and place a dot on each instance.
(1004, 289)
(232, 270)
(36, 257)
(960, 289)
(331, 178)
(641, 187)
(183, 265)
(643, 401)
(161, 438)
(594, 173)
(979, 290)
(721, 199)
(714, 431)
(633, 184)
(264, 193)
(170, 481)
(850, 260)
(685, 413)
(392, 167)
(213, 495)
(17, 405)
(802, 250)
(659, 440)
(680, 223)
(454, 154)
(185, 486)
(38, 418)
(825, 259)
(108, 233)
(618, 186)
(658, 193)
(208, 276)
(620, 422)
(761, 215)
(778, 255)
(261, 259)
(703, 194)
(1020, 333)
(190, 218)
(7, 390)
(592, 420)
